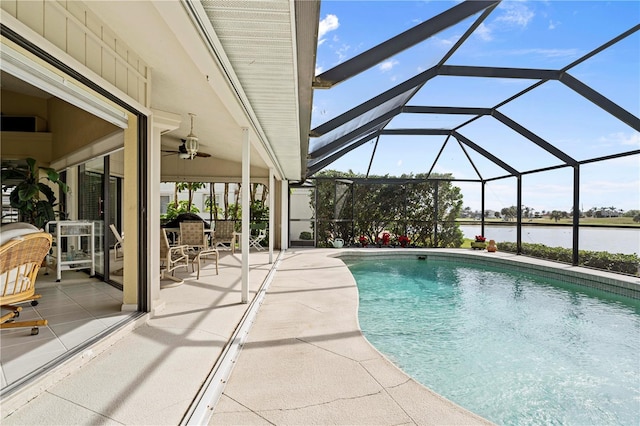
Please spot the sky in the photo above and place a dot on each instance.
(519, 34)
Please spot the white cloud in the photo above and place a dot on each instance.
(620, 139)
(342, 52)
(515, 13)
(387, 65)
(444, 42)
(319, 70)
(329, 23)
(399, 163)
(483, 32)
(547, 53)
(632, 139)
(553, 25)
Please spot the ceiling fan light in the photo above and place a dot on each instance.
(192, 145)
(192, 140)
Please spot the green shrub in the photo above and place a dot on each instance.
(306, 235)
(614, 262)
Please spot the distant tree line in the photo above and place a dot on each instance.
(510, 213)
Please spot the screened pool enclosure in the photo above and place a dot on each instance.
(478, 116)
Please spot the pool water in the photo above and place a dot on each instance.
(513, 348)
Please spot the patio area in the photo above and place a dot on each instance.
(296, 367)
(164, 359)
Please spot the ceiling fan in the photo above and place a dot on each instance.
(183, 152)
(188, 150)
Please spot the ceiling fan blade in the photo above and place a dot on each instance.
(182, 151)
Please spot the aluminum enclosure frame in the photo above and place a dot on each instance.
(338, 136)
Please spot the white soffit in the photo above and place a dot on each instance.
(258, 39)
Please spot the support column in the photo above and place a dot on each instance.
(284, 220)
(519, 214)
(160, 122)
(482, 195)
(575, 258)
(272, 212)
(436, 208)
(130, 217)
(246, 210)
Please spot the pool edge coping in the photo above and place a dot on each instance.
(621, 285)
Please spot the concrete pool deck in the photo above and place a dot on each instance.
(304, 360)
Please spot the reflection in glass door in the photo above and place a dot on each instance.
(114, 208)
(101, 201)
(91, 203)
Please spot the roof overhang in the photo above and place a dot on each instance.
(233, 64)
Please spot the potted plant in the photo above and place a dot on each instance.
(480, 242)
(33, 198)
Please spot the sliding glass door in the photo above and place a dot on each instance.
(100, 201)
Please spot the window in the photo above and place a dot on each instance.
(164, 201)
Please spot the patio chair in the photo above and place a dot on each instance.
(171, 258)
(254, 241)
(192, 235)
(202, 255)
(117, 248)
(20, 260)
(224, 233)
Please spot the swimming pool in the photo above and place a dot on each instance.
(514, 348)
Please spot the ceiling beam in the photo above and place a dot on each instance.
(551, 149)
(377, 122)
(416, 132)
(446, 110)
(601, 101)
(498, 72)
(408, 87)
(485, 153)
(402, 41)
(316, 166)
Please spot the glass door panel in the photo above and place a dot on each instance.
(91, 204)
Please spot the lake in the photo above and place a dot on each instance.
(612, 240)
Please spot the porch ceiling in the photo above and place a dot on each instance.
(232, 63)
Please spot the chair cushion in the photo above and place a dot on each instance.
(17, 229)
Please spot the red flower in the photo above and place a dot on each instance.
(480, 239)
(385, 238)
(403, 239)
